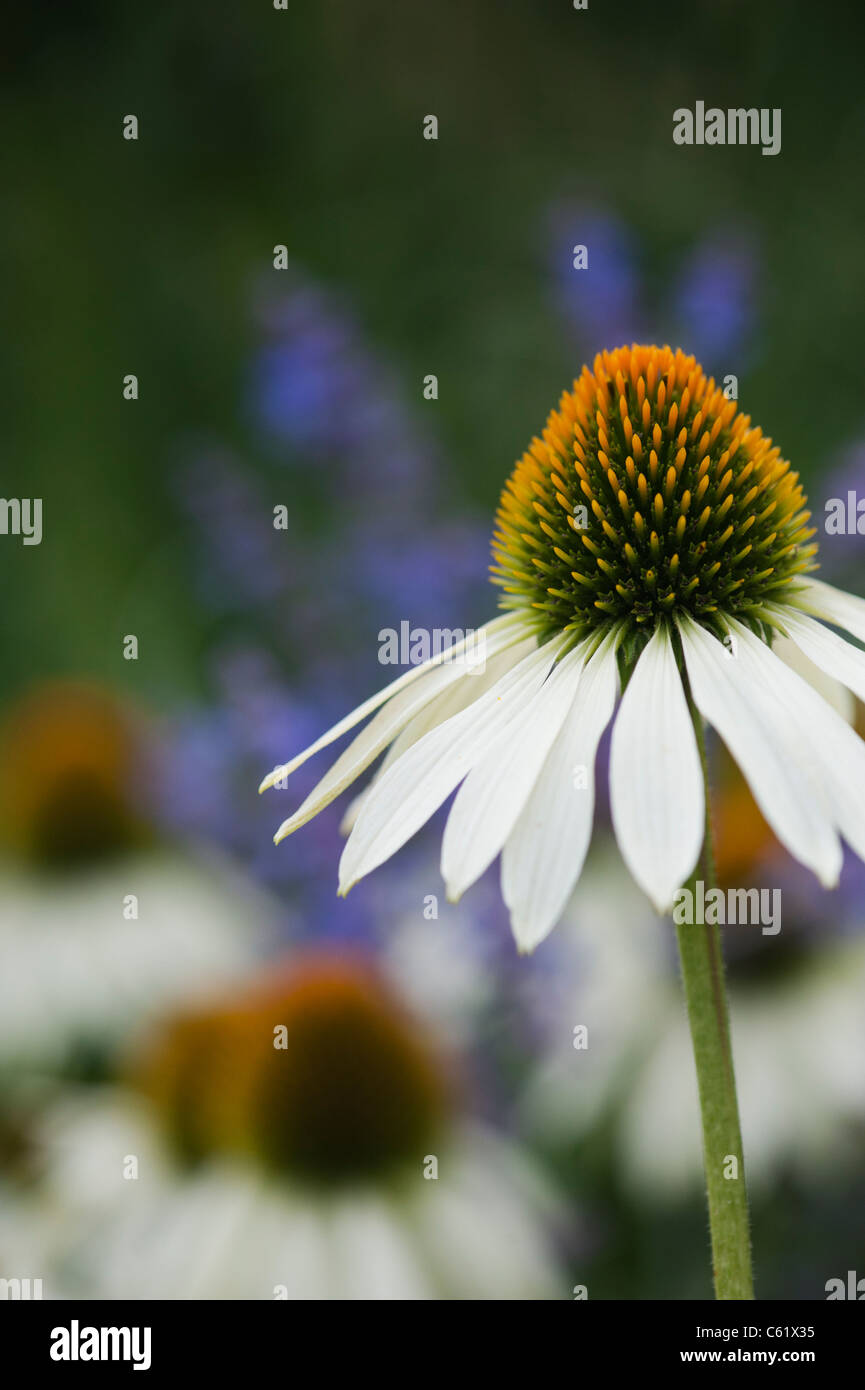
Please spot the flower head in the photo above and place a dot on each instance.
(651, 545)
(649, 496)
(69, 753)
(296, 1139)
(79, 964)
(317, 1074)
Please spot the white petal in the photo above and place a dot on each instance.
(416, 786)
(299, 1254)
(657, 795)
(508, 623)
(372, 1251)
(495, 791)
(543, 857)
(833, 691)
(390, 721)
(827, 747)
(839, 659)
(448, 703)
(485, 1227)
(741, 702)
(834, 605)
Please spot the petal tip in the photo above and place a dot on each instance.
(272, 778)
(663, 902)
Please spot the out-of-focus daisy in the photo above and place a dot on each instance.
(799, 1040)
(799, 1034)
(710, 300)
(99, 927)
(653, 542)
(301, 1141)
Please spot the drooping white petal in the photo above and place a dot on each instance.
(400, 711)
(833, 605)
(657, 794)
(544, 854)
(451, 701)
(741, 702)
(792, 655)
(839, 659)
(495, 791)
(510, 623)
(413, 789)
(832, 753)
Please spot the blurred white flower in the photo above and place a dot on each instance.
(799, 1036)
(100, 928)
(229, 1231)
(798, 1044)
(335, 1166)
(74, 971)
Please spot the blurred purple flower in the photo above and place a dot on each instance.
(315, 386)
(713, 311)
(709, 309)
(602, 303)
(435, 576)
(214, 756)
(312, 600)
(242, 561)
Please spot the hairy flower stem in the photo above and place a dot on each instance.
(705, 994)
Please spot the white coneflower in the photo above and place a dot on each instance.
(100, 928)
(301, 1142)
(653, 543)
(652, 540)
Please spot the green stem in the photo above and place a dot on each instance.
(705, 994)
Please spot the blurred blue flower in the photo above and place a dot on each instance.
(315, 386)
(312, 600)
(713, 300)
(241, 561)
(435, 576)
(206, 780)
(601, 304)
(708, 307)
